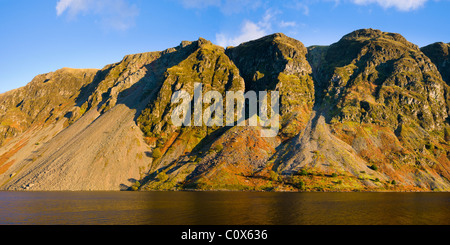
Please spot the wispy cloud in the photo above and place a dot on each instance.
(249, 30)
(302, 6)
(72, 6)
(402, 5)
(115, 14)
(284, 24)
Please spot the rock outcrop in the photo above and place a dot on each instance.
(439, 55)
(367, 113)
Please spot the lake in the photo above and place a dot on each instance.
(223, 208)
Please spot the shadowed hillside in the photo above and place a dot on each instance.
(367, 113)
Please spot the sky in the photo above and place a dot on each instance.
(42, 36)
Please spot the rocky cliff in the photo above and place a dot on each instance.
(367, 113)
(439, 55)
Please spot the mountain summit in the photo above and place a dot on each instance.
(367, 113)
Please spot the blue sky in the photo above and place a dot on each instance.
(43, 36)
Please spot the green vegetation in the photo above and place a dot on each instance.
(162, 177)
(46, 99)
(298, 183)
(135, 186)
(303, 172)
(371, 100)
(273, 176)
(218, 148)
(156, 153)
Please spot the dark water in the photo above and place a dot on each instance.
(223, 208)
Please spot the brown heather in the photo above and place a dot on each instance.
(367, 113)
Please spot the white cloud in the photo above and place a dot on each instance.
(402, 5)
(249, 31)
(116, 14)
(302, 6)
(72, 6)
(284, 24)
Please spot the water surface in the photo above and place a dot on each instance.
(223, 208)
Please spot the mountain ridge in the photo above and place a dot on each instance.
(367, 113)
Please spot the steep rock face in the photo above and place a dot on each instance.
(96, 144)
(117, 81)
(386, 99)
(227, 159)
(319, 154)
(370, 112)
(383, 79)
(439, 55)
(236, 157)
(204, 63)
(278, 62)
(45, 99)
(177, 148)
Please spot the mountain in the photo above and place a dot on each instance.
(367, 113)
(439, 55)
(381, 116)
